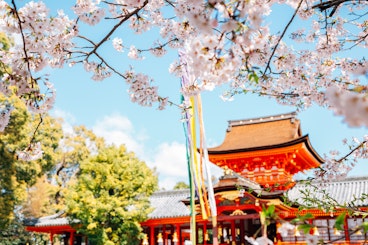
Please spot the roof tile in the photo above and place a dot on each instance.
(343, 191)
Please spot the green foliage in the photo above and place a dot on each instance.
(16, 176)
(365, 226)
(339, 222)
(15, 234)
(268, 215)
(110, 196)
(5, 44)
(181, 185)
(305, 227)
(302, 218)
(76, 147)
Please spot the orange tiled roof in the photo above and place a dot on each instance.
(260, 132)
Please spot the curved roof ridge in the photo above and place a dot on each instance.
(260, 132)
(170, 192)
(255, 120)
(53, 216)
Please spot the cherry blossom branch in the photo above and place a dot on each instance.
(326, 25)
(351, 152)
(358, 41)
(281, 37)
(159, 46)
(15, 12)
(126, 17)
(329, 4)
(35, 132)
(109, 66)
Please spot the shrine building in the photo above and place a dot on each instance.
(260, 157)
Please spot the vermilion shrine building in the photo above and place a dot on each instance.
(259, 156)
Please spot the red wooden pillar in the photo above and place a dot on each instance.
(71, 238)
(164, 235)
(178, 232)
(233, 234)
(152, 235)
(346, 229)
(204, 233)
(52, 238)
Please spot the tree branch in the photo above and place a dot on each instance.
(282, 35)
(23, 38)
(126, 17)
(352, 151)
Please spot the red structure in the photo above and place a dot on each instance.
(259, 157)
(57, 225)
(267, 150)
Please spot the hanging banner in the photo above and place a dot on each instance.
(197, 157)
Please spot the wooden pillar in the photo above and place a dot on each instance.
(328, 229)
(164, 235)
(71, 238)
(52, 238)
(242, 230)
(233, 233)
(152, 235)
(346, 229)
(178, 232)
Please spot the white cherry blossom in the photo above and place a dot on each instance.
(263, 240)
(31, 153)
(285, 227)
(117, 43)
(311, 239)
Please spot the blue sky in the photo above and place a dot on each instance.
(157, 137)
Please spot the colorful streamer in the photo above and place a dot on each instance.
(199, 172)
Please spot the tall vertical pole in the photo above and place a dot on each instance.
(152, 235)
(71, 238)
(233, 232)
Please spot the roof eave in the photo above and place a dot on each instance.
(303, 139)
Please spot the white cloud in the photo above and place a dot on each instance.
(170, 161)
(118, 130)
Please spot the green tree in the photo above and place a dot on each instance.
(17, 176)
(76, 146)
(181, 185)
(5, 44)
(15, 233)
(110, 196)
